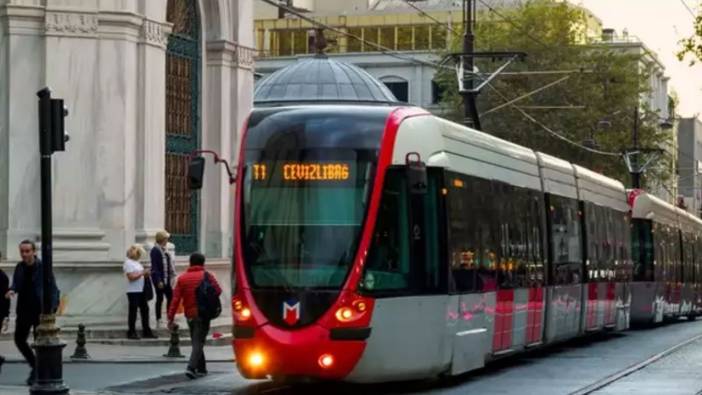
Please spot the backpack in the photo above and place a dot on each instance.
(209, 306)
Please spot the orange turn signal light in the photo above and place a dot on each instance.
(344, 314)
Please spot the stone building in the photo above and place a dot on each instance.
(146, 82)
(690, 164)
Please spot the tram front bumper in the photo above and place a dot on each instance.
(308, 352)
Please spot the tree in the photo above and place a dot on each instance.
(692, 45)
(605, 92)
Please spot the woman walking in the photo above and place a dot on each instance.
(163, 273)
(136, 276)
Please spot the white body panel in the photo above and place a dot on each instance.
(443, 143)
(563, 312)
(470, 330)
(601, 190)
(647, 206)
(408, 339)
(558, 176)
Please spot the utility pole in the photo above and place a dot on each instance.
(281, 10)
(48, 346)
(636, 171)
(470, 109)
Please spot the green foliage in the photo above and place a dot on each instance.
(608, 89)
(692, 45)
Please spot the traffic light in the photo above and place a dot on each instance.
(58, 130)
(52, 130)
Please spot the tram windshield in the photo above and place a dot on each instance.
(304, 206)
(303, 217)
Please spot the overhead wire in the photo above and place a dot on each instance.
(688, 9)
(514, 24)
(553, 132)
(438, 22)
(382, 49)
(393, 53)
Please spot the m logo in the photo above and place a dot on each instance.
(291, 312)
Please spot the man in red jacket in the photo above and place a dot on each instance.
(185, 292)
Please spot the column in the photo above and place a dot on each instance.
(72, 72)
(21, 34)
(151, 129)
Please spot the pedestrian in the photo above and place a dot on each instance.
(27, 284)
(163, 273)
(4, 305)
(136, 282)
(187, 290)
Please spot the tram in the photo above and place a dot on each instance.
(376, 242)
(668, 251)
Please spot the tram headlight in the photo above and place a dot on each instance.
(256, 360)
(326, 361)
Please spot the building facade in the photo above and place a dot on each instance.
(146, 83)
(690, 163)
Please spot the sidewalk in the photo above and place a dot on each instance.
(111, 330)
(105, 353)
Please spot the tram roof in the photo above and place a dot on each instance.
(558, 176)
(647, 206)
(600, 189)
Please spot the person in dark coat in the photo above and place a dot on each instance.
(163, 273)
(27, 283)
(4, 304)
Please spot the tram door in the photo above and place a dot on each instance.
(408, 335)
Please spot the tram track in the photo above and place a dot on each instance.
(615, 377)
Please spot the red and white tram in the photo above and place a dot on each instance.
(353, 263)
(379, 242)
(668, 251)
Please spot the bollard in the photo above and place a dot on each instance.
(81, 352)
(174, 349)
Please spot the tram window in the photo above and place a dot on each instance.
(611, 244)
(566, 242)
(659, 237)
(594, 237)
(388, 265)
(514, 215)
(462, 231)
(536, 268)
(642, 249)
(433, 206)
(473, 232)
(495, 235)
(623, 269)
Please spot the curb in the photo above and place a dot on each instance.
(125, 361)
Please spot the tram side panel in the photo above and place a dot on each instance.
(564, 295)
(650, 250)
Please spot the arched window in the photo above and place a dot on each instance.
(398, 86)
(182, 122)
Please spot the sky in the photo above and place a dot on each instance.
(660, 24)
